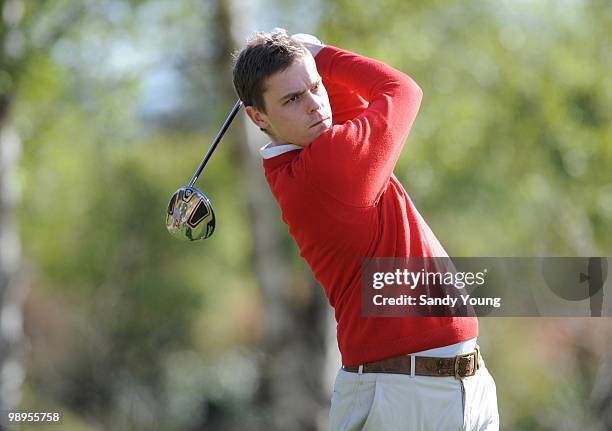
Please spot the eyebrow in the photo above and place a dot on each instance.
(299, 93)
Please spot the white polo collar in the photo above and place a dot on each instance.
(268, 151)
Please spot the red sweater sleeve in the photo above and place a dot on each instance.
(354, 160)
(345, 103)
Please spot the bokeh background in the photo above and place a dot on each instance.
(106, 108)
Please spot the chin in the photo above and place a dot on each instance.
(320, 129)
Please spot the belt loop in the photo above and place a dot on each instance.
(412, 365)
(360, 370)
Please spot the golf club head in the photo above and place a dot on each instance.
(190, 215)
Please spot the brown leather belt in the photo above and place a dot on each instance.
(460, 366)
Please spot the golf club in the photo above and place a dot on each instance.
(190, 215)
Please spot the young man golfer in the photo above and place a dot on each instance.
(337, 122)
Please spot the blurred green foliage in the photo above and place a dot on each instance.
(514, 129)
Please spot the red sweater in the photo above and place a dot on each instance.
(341, 202)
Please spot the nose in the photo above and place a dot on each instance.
(315, 102)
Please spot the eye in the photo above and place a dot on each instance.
(292, 99)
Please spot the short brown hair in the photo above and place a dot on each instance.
(263, 55)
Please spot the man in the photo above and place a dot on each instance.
(337, 123)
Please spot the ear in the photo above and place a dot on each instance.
(257, 117)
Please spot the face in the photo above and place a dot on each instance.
(297, 106)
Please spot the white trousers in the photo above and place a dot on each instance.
(397, 402)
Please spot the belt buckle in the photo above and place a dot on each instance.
(476, 354)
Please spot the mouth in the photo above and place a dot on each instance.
(319, 122)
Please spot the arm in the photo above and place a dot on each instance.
(354, 161)
(345, 104)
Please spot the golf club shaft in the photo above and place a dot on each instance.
(228, 121)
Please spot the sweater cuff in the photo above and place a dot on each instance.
(324, 58)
